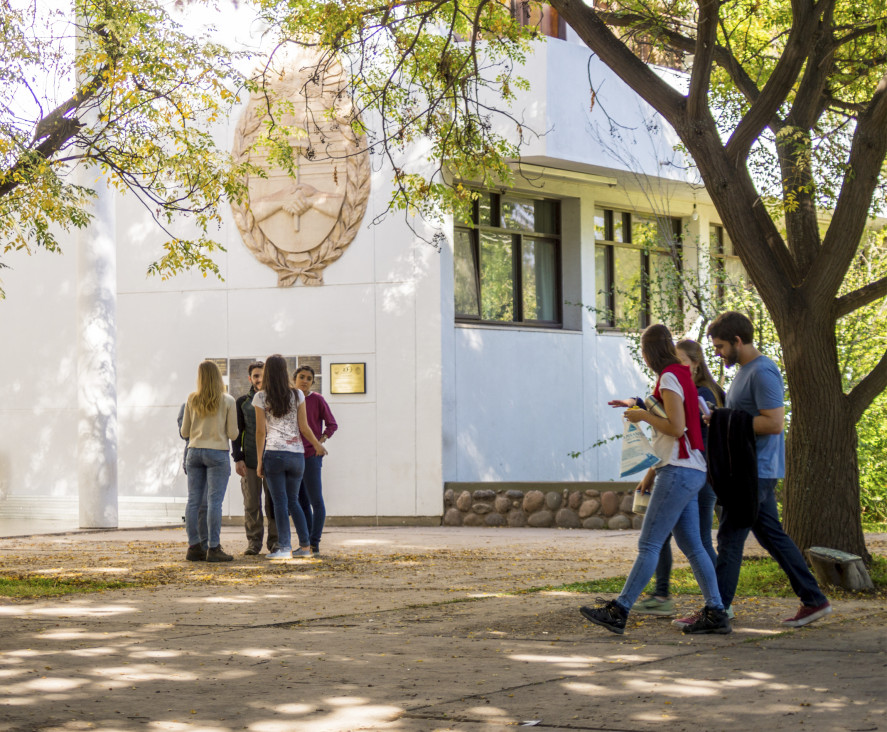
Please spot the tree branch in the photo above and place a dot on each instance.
(862, 175)
(846, 304)
(776, 90)
(588, 23)
(865, 392)
(700, 77)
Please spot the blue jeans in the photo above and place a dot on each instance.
(769, 532)
(673, 508)
(311, 498)
(208, 473)
(283, 471)
(706, 500)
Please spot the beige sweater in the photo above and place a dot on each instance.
(213, 431)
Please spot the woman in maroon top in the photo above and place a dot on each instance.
(323, 424)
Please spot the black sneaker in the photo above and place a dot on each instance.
(610, 615)
(196, 553)
(252, 550)
(217, 554)
(709, 621)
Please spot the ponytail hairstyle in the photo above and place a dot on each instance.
(657, 348)
(210, 387)
(701, 376)
(277, 388)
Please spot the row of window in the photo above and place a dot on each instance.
(508, 263)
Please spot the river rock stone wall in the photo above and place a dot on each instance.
(562, 508)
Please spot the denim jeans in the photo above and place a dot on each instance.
(283, 471)
(706, 500)
(208, 473)
(769, 532)
(311, 498)
(673, 508)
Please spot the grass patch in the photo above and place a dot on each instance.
(874, 527)
(758, 577)
(24, 586)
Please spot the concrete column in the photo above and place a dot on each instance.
(97, 362)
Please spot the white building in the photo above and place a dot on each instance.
(460, 387)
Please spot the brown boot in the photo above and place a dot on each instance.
(217, 554)
(196, 553)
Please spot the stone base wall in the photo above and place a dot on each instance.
(575, 507)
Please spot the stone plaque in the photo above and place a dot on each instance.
(348, 378)
(222, 363)
(238, 382)
(298, 226)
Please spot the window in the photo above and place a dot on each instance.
(633, 264)
(507, 261)
(726, 268)
(544, 18)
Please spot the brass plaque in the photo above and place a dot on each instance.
(348, 378)
(222, 363)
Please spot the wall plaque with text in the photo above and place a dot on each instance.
(348, 378)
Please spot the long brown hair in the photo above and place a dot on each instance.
(657, 347)
(701, 376)
(279, 393)
(210, 387)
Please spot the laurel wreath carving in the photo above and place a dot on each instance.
(308, 267)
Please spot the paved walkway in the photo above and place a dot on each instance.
(407, 629)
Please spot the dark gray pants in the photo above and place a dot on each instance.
(253, 521)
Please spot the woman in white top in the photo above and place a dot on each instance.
(281, 423)
(673, 506)
(209, 422)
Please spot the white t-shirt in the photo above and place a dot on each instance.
(661, 441)
(282, 433)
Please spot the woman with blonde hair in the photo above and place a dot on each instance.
(209, 423)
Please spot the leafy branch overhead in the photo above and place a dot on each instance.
(133, 104)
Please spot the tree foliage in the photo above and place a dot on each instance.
(120, 89)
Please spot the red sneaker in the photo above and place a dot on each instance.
(807, 614)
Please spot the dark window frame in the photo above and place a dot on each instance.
(475, 229)
(609, 245)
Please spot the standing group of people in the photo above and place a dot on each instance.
(749, 429)
(273, 432)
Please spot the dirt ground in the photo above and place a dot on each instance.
(407, 629)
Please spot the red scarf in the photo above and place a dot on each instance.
(691, 408)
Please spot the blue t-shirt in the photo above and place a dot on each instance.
(758, 385)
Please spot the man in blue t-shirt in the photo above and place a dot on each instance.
(758, 390)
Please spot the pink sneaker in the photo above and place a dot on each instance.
(688, 621)
(807, 614)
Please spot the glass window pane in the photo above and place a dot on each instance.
(465, 275)
(618, 226)
(600, 224)
(714, 240)
(735, 272)
(627, 281)
(728, 244)
(518, 213)
(601, 282)
(485, 210)
(539, 279)
(645, 233)
(496, 276)
(547, 218)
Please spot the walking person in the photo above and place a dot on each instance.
(758, 391)
(673, 505)
(209, 422)
(323, 426)
(246, 461)
(281, 425)
(690, 354)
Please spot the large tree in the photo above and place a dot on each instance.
(785, 115)
(120, 88)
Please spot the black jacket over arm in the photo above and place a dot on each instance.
(733, 464)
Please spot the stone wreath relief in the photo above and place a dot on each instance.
(300, 226)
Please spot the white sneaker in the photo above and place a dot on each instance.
(282, 553)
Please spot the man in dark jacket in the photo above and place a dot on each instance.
(243, 450)
(758, 390)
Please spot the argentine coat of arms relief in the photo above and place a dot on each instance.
(299, 226)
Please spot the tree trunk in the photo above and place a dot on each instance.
(821, 495)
